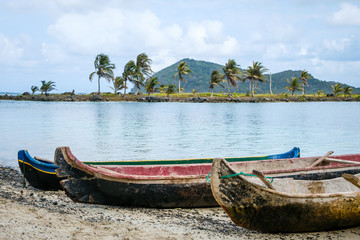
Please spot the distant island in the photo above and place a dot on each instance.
(201, 81)
(201, 73)
(184, 97)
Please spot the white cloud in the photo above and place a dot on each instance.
(116, 31)
(111, 30)
(10, 50)
(349, 14)
(205, 39)
(53, 53)
(162, 59)
(344, 49)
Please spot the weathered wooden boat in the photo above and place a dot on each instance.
(40, 172)
(286, 205)
(309, 168)
(161, 186)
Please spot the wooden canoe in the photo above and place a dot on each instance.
(40, 173)
(161, 186)
(292, 206)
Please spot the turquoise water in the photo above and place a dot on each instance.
(131, 130)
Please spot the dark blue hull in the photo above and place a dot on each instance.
(39, 174)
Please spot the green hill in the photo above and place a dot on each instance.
(201, 73)
(198, 79)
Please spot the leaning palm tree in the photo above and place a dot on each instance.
(170, 89)
(253, 74)
(337, 89)
(194, 91)
(162, 88)
(104, 69)
(182, 69)
(128, 74)
(347, 90)
(216, 79)
(46, 87)
(150, 85)
(304, 76)
(142, 69)
(319, 92)
(118, 84)
(294, 85)
(34, 89)
(232, 73)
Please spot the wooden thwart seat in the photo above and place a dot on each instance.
(263, 179)
(351, 178)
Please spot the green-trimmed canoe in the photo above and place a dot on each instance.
(40, 173)
(165, 185)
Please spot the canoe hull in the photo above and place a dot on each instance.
(42, 174)
(289, 216)
(257, 208)
(160, 186)
(99, 191)
(87, 188)
(39, 174)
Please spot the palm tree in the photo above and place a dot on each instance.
(118, 84)
(347, 90)
(216, 79)
(255, 73)
(171, 89)
(104, 69)
(319, 92)
(337, 89)
(128, 74)
(47, 86)
(142, 69)
(194, 91)
(34, 89)
(294, 85)
(150, 85)
(304, 77)
(182, 69)
(162, 88)
(232, 73)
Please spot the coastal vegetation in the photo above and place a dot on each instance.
(304, 76)
(103, 68)
(254, 74)
(182, 69)
(216, 79)
(138, 71)
(34, 89)
(150, 85)
(294, 85)
(118, 84)
(232, 73)
(46, 87)
(202, 80)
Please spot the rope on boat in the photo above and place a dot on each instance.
(237, 174)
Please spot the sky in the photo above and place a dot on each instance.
(58, 40)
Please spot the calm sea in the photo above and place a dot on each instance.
(131, 130)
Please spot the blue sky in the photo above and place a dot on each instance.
(58, 40)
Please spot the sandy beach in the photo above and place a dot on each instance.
(29, 213)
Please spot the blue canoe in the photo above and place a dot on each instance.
(40, 173)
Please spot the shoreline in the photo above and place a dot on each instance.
(185, 98)
(29, 213)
